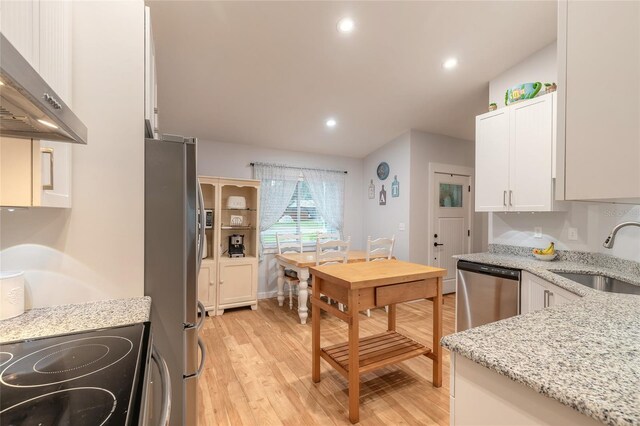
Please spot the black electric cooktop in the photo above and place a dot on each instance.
(90, 378)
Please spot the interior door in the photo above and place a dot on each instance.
(452, 234)
(492, 161)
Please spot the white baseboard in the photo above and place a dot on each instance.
(267, 294)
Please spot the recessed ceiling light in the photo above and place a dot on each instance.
(346, 25)
(450, 63)
(331, 122)
(46, 123)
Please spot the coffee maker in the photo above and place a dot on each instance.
(236, 245)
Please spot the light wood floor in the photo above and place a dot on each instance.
(258, 371)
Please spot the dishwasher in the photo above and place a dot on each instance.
(485, 293)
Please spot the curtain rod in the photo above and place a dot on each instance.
(299, 168)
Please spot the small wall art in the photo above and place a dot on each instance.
(383, 197)
(395, 187)
(372, 190)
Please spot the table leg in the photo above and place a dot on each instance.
(315, 333)
(303, 295)
(280, 284)
(391, 317)
(354, 358)
(437, 334)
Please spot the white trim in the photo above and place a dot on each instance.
(449, 169)
(267, 294)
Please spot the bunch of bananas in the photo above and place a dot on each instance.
(549, 250)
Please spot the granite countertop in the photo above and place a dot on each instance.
(55, 320)
(585, 353)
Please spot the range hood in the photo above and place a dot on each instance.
(29, 108)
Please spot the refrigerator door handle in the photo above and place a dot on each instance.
(201, 225)
(203, 315)
(203, 350)
(166, 385)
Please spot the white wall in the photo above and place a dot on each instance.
(95, 250)
(384, 221)
(233, 160)
(540, 66)
(593, 220)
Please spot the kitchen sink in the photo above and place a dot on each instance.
(601, 282)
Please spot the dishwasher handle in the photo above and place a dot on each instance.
(496, 271)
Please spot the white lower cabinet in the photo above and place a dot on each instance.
(483, 397)
(237, 283)
(207, 285)
(537, 294)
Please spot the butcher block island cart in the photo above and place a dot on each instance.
(366, 285)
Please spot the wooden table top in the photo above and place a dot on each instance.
(374, 274)
(307, 259)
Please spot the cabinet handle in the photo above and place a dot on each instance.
(221, 281)
(510, 195)
(48, 151)
(547, 298)
(504, 198)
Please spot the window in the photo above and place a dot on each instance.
(300, 217)
(450, 195)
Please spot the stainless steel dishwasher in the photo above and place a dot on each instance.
(485, 293)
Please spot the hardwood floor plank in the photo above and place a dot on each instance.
(258, 370)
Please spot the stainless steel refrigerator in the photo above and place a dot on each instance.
(174, 238)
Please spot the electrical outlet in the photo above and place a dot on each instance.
(401, 227)
(573, 234)
(537, 232)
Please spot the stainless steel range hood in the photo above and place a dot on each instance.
(29, 108)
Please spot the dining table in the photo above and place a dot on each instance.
(365, 285)
(300, 263)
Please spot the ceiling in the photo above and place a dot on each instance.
(271, 73)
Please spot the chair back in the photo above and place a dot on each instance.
(380, 248)
(332, 251)
(289, 243)
(323, 237)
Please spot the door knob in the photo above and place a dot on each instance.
(436, 244)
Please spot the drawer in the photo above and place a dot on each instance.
(398, 293)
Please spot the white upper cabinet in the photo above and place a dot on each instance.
(20, 24)
(599, 105)
(492, 161)
(514, 157)
(41, 31)
(530, 180)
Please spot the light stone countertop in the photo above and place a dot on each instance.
(64, 319)
(585, 353)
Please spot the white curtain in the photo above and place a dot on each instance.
(327, 191)
(276, 190)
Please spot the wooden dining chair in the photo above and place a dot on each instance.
(380, 249)
(289, 243)
(331, 250)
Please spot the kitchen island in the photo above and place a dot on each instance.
(64, 319)
(575, 363)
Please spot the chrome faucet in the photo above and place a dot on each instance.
(608, 243)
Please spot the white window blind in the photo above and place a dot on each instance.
(300, 217)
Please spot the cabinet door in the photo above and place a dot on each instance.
(532, 294)
(492, 160)
(537, 294)
(206, 286)
(16, 170)
(55, 68)
(19, 23)
(531, 127)
(236, 282)
(602, 106)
